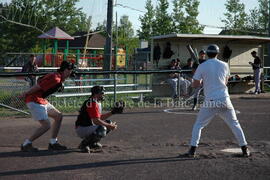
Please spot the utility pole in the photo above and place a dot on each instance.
(268, 58)
(107, 64)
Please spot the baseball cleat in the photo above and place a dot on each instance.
(85, 149)
(96, 145)
(191, 153)
(246, 152)
(56, 147)
(28, 148)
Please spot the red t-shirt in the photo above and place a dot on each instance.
(93, 110)
(47, 82)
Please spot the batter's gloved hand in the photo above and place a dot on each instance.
(118, 107)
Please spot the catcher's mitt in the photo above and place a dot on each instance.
(118, 107)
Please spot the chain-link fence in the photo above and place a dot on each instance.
(76, 91)
(10, 91)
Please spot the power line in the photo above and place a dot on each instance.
(128, 7)
(34, 27)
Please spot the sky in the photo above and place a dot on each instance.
(210, 11)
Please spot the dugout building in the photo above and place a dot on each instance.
(236, 50)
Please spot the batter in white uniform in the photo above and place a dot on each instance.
(214, 74)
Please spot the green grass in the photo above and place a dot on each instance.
(266, 88)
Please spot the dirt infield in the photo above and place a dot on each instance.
(146, 145)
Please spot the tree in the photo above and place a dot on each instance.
(43, 14)
(126, 35)
(102, 27)
(125, 29)
(253, 20)
(191, 24)
(178, 15)
(235, 17)
(263, 14)
(163, 21)
(145, 32)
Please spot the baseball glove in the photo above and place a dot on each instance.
(118, 107)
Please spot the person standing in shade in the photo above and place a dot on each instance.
(256, 66)
(31, 67)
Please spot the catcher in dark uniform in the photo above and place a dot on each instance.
(91, 124)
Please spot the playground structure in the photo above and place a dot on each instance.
(84, 50)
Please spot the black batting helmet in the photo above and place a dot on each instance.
(212, 49)
(97, 90)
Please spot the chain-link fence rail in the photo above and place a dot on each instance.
(11, 61)
(137, 88)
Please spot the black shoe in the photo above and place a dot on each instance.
(56, 147)
(96, 145)
(85, 149)
(245, 150)
(28, 148)
(191, 153)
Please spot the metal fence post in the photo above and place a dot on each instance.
(114, 93)
(178, 86)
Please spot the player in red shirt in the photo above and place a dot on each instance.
(41, 109)
(91, 124)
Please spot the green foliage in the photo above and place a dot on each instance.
(43, 14)
(178, 15)
(126, 35)
(147, 22)
(125, 29)
(183, 18)
(263, 14)
(235, 17)
(101, 27)
(163, 21)
(191, 24)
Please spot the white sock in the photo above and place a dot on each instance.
(27, 142)
(53, 140)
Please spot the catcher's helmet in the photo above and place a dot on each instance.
(212, 49)
(97, 90)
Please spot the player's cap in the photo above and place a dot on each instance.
(97, 90)
(212, 49)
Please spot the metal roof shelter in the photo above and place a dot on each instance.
(210, 37)
(55, 33)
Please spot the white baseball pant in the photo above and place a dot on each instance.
(257, 79)
(226, 111)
